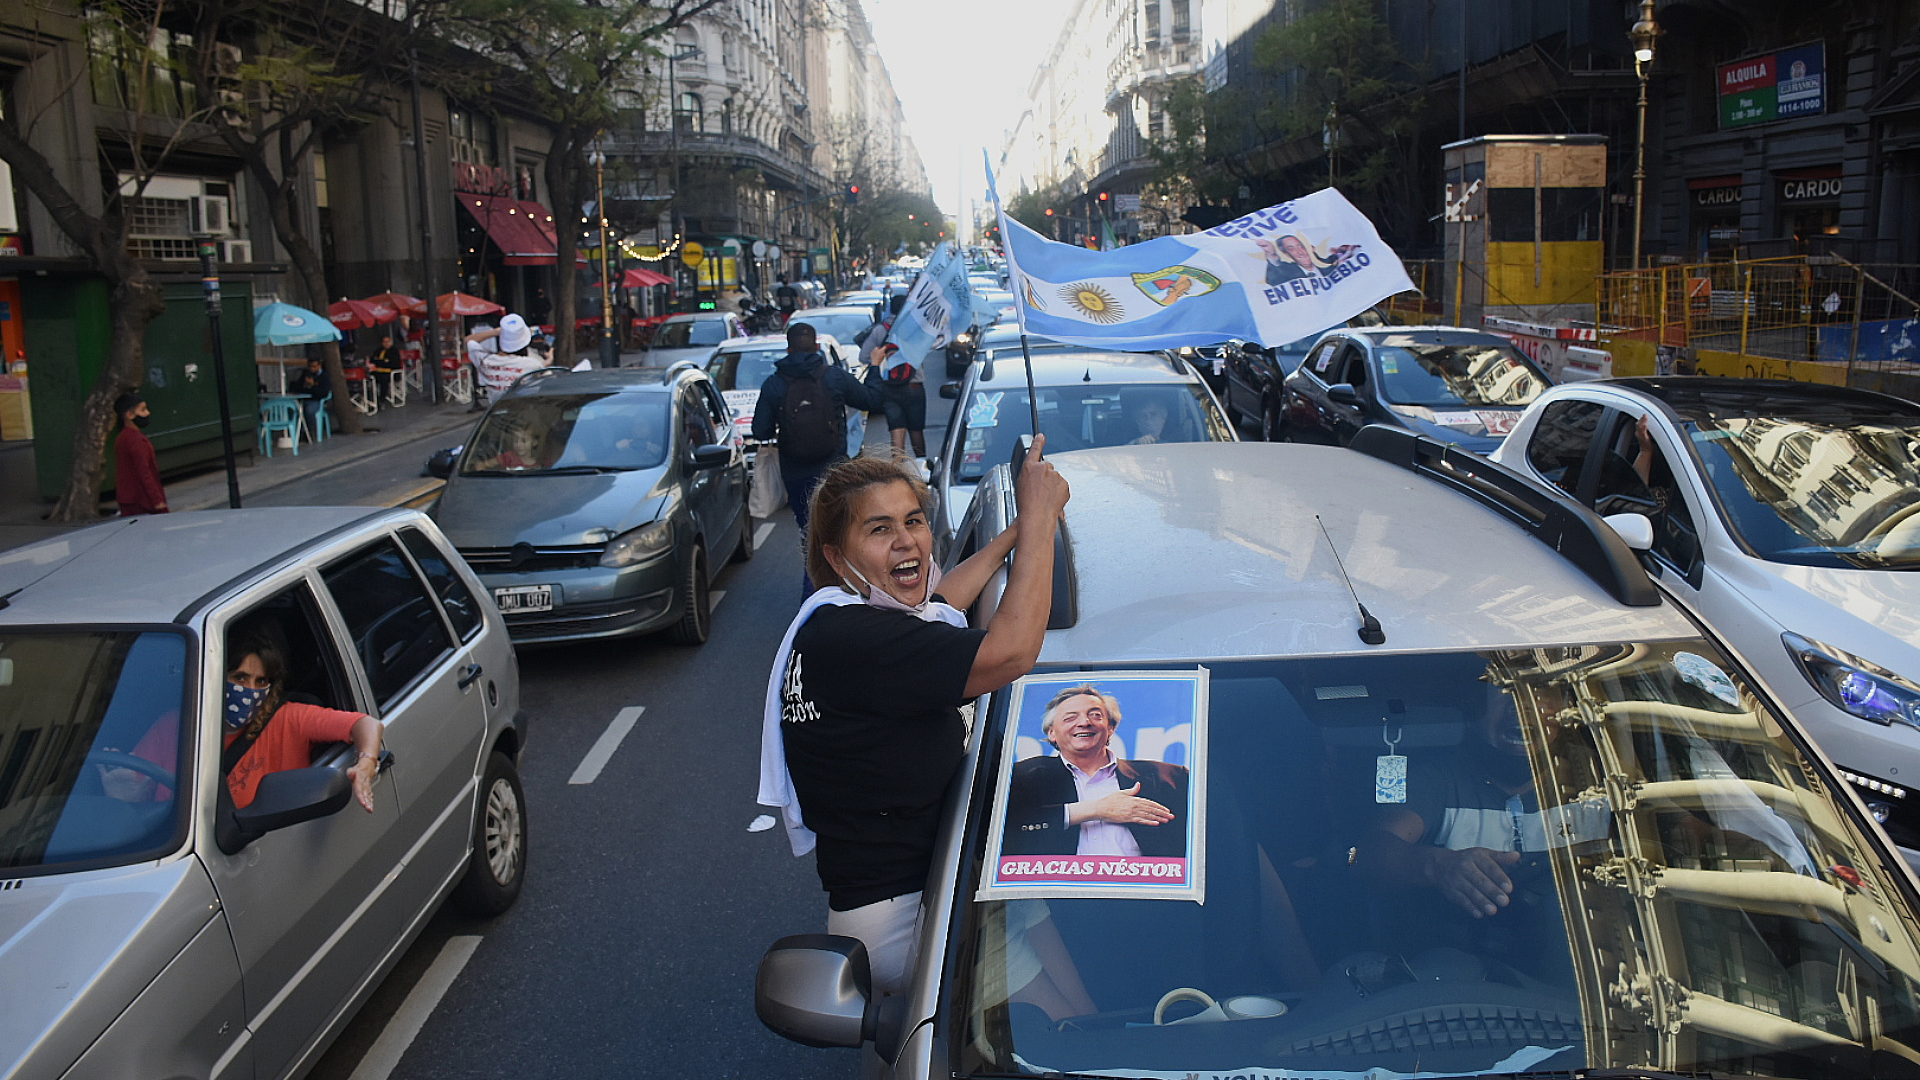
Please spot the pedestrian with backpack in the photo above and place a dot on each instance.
(906, 400)
(803, 408)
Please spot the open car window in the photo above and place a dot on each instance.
(1687, 892)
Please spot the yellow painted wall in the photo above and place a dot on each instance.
(1567, 272)
(1634, 357)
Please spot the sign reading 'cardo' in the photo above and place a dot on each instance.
(1774, 86)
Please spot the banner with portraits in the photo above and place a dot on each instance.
(1101, 788)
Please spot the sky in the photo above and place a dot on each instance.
(962, 71)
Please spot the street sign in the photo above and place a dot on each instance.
(693, 254)
(773, 252)
(1700, 295)
(1126, 204)
(759, 249)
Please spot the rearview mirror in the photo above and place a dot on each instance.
(1343, 394)
(291, 796)
(816, 989)
(441, 463)
(712, 456)
(950, 391)
(1634, 529)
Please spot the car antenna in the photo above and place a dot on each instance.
(1370, 631)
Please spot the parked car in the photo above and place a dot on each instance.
(1247, 378)
(1686, 884)
(147, 927)
(1785, 515)
(998, 343)
(692, 337)
(601, 504)
(741, 367)
(1460, 386)
(1087, 398)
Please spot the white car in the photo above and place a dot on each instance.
(741, 366)
(692, 336)
(1787, 517)
(842, 322)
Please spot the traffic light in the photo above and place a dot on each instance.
(1103, 196)
(1049, 211)
(853, 194)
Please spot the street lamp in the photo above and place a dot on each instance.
(609, 348)
(683, 52)
(1642, 36)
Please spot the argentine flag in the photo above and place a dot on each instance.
(1273, 276)
(939, 306)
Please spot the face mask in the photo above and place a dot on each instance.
(241, 701)
(885, 601)
(142, 421)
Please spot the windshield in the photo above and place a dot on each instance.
(1081, 417)
(1679, 888)
(91, 745)
(746, 369)
(842, 326)
(682, 335)
(1839, 491)
(569, 433)
(1471, 373)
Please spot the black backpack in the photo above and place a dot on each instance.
(813, 427)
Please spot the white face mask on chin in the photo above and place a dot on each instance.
(885, 601)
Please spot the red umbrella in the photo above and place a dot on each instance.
(398, 303)
(639, 277)
(354, 314)
(459, 303)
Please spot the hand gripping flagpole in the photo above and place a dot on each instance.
(1019, 292)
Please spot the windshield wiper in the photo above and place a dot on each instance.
(578, 470)
(1627, 1072)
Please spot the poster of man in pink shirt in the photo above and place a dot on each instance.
(1082, 817)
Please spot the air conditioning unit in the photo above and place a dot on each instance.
(236, 251)
(212, 215)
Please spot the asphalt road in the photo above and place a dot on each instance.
(648, 898)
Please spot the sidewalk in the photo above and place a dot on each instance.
(390, 457)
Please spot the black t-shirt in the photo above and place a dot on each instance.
(871, 720)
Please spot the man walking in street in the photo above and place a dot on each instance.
(786, 298)
(803, 405)
(136, 485)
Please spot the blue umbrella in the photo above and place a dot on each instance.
(284, 324)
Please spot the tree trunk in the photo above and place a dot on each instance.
(565, 180)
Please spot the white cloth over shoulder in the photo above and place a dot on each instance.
(776, 782)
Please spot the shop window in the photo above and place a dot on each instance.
(132, 68)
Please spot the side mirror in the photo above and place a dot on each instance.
(950, 391)
(440, 465)
(1634, 529)
(712, 456)
(1343, 394)
(816, 989)
(292, 796)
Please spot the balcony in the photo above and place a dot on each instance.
(722, 148)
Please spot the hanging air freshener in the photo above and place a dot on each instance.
(1390, 769)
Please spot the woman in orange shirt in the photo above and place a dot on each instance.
(266, 733)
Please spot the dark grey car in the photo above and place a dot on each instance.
(600, 503)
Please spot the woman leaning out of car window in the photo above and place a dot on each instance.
(265, 733)
(863, 729)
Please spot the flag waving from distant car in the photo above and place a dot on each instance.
(939, 306)
(1273, 276)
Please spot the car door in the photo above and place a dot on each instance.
(309, 906)
(707, 490)
(1305, 403)
(1618, 487)
(425, 685)
(1242, 397)
(1344, 418)
(731, 480)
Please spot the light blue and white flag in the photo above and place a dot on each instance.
(939, 306)
(1273, 276)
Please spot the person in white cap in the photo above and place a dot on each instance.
(489, 345)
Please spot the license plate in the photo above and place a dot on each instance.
(524, 598)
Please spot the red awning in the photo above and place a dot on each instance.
(523, 231)
(640, 278)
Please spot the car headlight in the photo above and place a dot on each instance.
(1859, 687)
(1186, 350)
(963, 339)
(638, 545)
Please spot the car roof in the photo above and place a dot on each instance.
(1186, 551)
(760, 342)
(699, 316)
(601, 380)
(833, 309)
(1421, 335)
(1699, 398)
(1053, 368)
(156, 568)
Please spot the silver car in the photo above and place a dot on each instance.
(602, 503)
(1510, 814)
(146, 927)
(692, 336)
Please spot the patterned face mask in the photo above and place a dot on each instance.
(241, 701)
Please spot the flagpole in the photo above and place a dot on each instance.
(1019, 295)
(1033, 396)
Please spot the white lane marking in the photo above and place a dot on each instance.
(405, 1024)
(604, 747)
(761, 823)
(714, 598)
(760, 535)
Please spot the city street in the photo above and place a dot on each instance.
(648, 899)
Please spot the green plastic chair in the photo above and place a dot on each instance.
(278, 415)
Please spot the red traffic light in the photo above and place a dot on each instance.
(1049, 211)
(853, 189)
(1103, 196)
